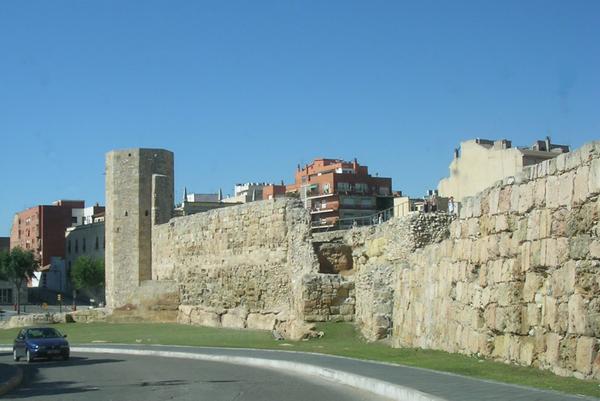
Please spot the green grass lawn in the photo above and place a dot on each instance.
(339, 339)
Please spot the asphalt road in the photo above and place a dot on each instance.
(108, 377)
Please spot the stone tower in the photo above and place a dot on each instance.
(139, 194)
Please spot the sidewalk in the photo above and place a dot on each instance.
(447, 386)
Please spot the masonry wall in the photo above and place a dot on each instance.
(237, 267)
(378, 253)
(518, 279)
(129, 201)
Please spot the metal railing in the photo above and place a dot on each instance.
(350, 222)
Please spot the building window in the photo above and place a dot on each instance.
(74, 220)
(384, 191)
(6, 296)
(76, 246)
(126, 214)
(146, 213)
(343, 186)
(97, 243)
(325, 188)
(361, 187)
(83, 245)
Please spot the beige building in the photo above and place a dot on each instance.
(481, 162)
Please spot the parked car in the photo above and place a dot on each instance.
(40, 342)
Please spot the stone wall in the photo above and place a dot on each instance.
(327, 297)
(377, 253)
(138, 183)
(518, 279)
(237, 267)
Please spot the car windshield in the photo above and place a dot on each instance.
(43, 333)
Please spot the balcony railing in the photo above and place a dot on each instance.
(350, 222)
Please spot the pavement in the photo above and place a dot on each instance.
(10, 377)
(388, 380)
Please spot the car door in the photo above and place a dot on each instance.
(20, 343)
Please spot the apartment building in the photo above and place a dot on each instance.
(41, 228)
(340, 194)
(479, 163)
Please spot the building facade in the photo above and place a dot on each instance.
(6, 289)
(248, 192)
(341, 194)
(481, 162)
(84, 240)
(41, 229)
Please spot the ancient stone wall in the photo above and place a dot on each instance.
(380, 251)
(237, 267)
(131, 198)
(518, 279)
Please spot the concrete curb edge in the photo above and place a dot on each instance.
(375, 386)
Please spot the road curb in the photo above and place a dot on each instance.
(375, 386)
(13, 382)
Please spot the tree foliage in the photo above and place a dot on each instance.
(17, 266)
(87, 273)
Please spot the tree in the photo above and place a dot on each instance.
(18, 266)
(87, 273)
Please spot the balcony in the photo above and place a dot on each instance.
(317, 210)
(316, 195)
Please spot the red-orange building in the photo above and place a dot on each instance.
(338, 193)
(41, 229)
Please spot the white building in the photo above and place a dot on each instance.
(248, 192)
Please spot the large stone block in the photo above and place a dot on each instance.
(545, 223)
(595, 249)
(533, 225)
(579, 246)
(552, 353)
(562, 280)
(594, 177)
(526, 197)
(552, 192)
(526, 351)
(539, 193)
(580, 186)
(493, 200)
(204, 318)
(533, 283)
(260, 321)
(587, 347)
(578, 318)
(500, 347)
(559, 223)
(530, 317)
(234, 318)
(505, 198)
(565, 189)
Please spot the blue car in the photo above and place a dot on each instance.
(40, 342)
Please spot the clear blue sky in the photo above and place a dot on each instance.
(246, 90)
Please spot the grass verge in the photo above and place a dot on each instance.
(339, 339)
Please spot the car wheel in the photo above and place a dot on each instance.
(66, 357)
(28, 357)
(15, 356)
